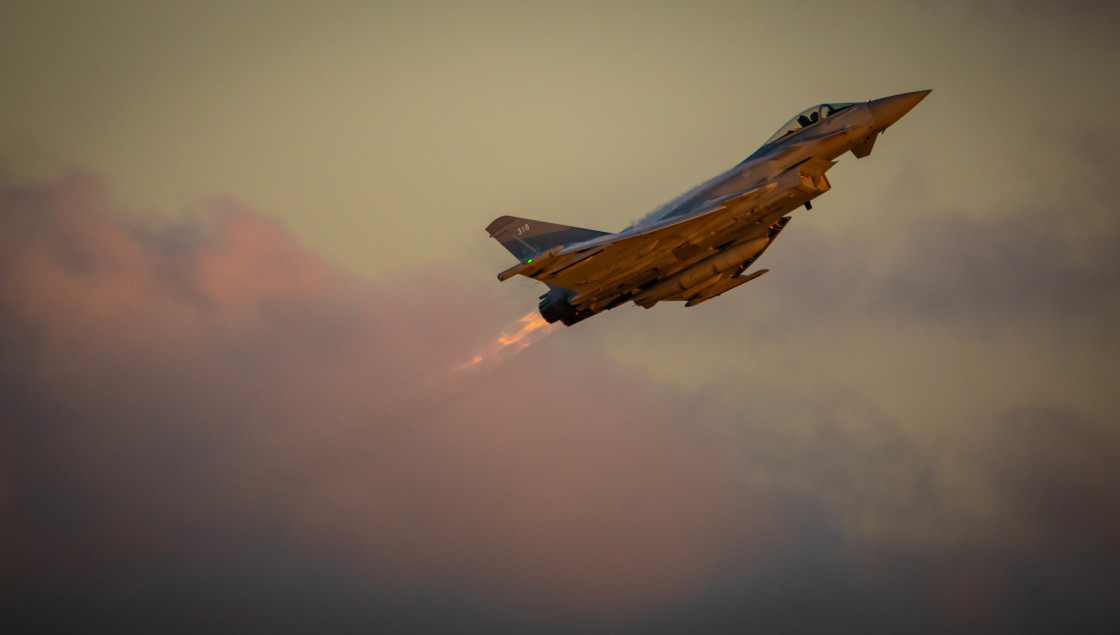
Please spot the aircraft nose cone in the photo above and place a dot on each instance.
(888, 110)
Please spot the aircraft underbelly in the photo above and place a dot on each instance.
(601, 280)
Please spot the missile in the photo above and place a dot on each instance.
(702, 271)
(722, 287)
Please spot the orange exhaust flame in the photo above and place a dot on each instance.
(512, 340)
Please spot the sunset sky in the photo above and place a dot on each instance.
(243, 268)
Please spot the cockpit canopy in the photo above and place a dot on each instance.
(808, 118)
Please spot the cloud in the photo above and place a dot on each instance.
(983, 271)
(1058, 471)
(1056, 255)
(191, 392)
(205, 426)
(1053, 254)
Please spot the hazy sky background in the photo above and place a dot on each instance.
(243, 243)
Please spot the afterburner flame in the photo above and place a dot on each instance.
(512, 340)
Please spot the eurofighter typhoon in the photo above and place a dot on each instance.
(703, 243)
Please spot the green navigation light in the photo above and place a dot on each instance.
(528, 261)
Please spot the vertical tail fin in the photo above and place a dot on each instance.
(525, 238)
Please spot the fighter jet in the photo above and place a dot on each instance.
(703, 243)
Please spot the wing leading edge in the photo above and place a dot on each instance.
(609, 264)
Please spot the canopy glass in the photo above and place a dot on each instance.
(807, 118)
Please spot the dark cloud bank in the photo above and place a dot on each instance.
(205, 427)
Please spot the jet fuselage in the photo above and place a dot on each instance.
(700, 244)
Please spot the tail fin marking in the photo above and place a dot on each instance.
(525, 238)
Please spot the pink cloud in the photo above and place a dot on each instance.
(186, 389)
